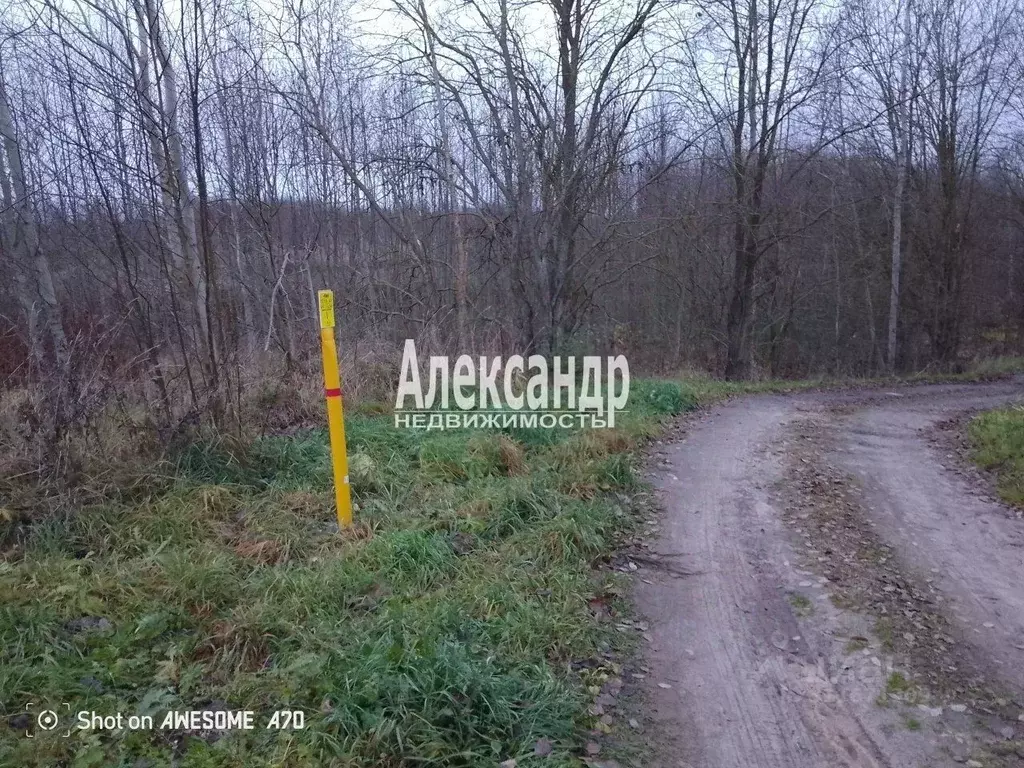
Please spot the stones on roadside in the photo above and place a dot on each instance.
(623, 563)
(959, 751)
(633, 625)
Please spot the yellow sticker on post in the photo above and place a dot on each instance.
(326, 301)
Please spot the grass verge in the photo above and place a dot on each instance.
(997, 437)
(449, 626)
(705, 389)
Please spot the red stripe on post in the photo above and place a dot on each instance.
(332, 392)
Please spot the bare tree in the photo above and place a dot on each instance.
(776, 56)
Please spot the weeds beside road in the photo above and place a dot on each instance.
(998, 440)
(444, 628)
(451, 625)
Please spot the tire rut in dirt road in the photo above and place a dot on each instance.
(751, 663)
(746, 689)
(939, 524)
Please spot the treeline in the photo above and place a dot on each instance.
(765, 186)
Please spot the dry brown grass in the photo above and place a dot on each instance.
(263, 551)
(511, 454)
(610, 440)
(234, 646)
(578, 489)
(477, 508)
(306, 503)
(359, 530)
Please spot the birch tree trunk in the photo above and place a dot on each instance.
(179, 200)
(37, 290)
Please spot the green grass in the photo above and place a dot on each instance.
(998, 366)
(705, 389)
(802, 605)
(997, 437)
(884, 631)
(897, 688)
(448, 627)
(897, 683)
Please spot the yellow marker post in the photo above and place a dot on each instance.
(335, 412)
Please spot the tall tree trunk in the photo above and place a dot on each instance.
(181, 212)
(448, 175)
(23, 238)
(899, 193)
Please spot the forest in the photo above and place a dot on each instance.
(751, 188)
(774, 198)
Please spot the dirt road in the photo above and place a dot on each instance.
(834, 592)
